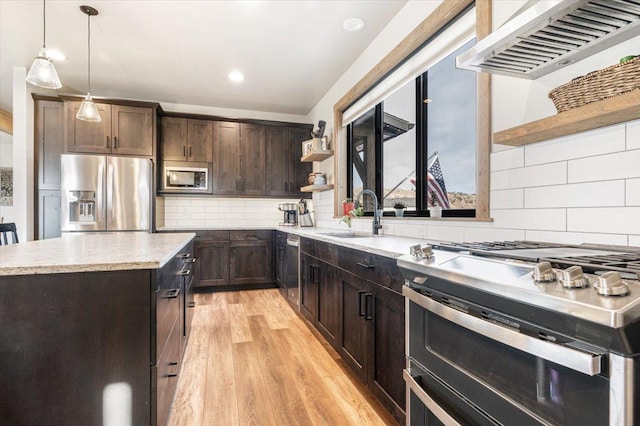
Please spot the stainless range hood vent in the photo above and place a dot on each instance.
(551, 34)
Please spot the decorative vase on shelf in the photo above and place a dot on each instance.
(399, 207)
(399, 212)
(347, 206)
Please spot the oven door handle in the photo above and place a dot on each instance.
(433, 406)
(583, 362)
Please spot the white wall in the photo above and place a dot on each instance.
(578, 188)
(6, 160)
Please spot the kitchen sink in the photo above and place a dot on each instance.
(345, 234)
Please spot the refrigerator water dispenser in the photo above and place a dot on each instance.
(82, 206)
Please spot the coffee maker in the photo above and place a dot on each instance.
(290, 214)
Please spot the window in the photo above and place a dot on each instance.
(419, 145)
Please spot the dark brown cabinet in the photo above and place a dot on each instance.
(239, 156)
(356, 315)
(186, 139)
(103, 334)
(308, 287)
(226, 158)
(126, 130)
(49, 145)
(213, 267)
(354, 300)
(229, 259)
(251, 257)
(285, 173)
(253, 159)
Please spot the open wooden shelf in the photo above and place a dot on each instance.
(603, 113)
(316, 188)
(316, 156)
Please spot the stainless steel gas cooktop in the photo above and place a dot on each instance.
(599, 284)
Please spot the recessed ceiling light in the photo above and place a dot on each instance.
(236, 76)
(55, 54)
(353, 24)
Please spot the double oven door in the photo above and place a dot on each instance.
(471, 365)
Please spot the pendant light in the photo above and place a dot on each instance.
(42, 72)
(88, 110)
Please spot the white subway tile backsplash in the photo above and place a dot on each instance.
(593, 194)
(605, 167)
(576, 237)
(446, 233)
(633, 192)
(595, 142)
(633, 135)
(493, 234)
(508, 159)
(634, 240)
(545, 174)
(547, 219)
(407, 229)
(507, 199)
(609, 220)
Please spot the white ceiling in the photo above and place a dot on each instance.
(291, 52)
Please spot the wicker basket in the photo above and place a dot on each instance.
(598, 85)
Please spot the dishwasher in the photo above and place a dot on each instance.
(291, 276)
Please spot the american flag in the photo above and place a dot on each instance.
(435, 185)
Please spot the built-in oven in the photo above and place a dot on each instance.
(504, 370)
(191, 178)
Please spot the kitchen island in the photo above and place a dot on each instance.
(93, 327)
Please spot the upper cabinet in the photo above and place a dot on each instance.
(285, 173)
(186, 139)
(126, 130)
(239, 159)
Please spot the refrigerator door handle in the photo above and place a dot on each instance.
(110, 217)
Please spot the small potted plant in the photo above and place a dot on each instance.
(399, 207)
(347, 206)
(434, 209)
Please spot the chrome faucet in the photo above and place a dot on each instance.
(376, 212)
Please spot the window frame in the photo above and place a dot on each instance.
(445, 13)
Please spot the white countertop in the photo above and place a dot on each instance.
(385, 245)
(92, 252)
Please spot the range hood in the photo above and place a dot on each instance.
(551, 34)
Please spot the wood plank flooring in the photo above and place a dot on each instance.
(251, 360)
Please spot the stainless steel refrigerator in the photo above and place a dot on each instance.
(104, 193)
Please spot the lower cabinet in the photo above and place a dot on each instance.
(228, 259)
(356, 314)
(352, 299)
(78, 345)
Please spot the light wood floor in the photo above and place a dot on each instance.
(252, 361)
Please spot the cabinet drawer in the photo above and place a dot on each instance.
(319, 249)
(167, 304)
(212, 235)
(264, 235)
(379, 269)
(164, 376)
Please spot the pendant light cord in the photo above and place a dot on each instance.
(44, 24)
(89, 49)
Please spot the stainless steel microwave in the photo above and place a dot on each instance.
(185, 179)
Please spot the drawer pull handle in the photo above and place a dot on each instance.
(366, 265)
(192, 260)
(172, 294)
(368, 307)
(192, 304)
(183, 255)
(185, 272)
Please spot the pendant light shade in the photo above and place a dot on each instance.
(42, 72)
(88, 110)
